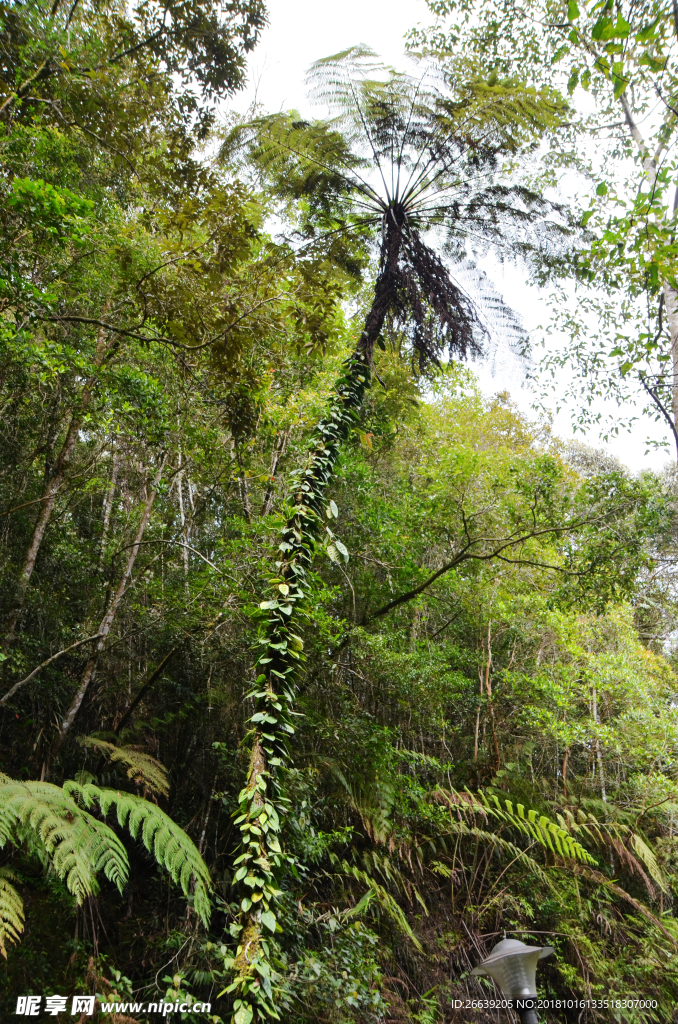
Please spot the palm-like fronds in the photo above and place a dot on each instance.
(547, 833)
(141, 767)
(402, 155)
(55, 824)
(162, 837)
(75, 843)
(11, 910)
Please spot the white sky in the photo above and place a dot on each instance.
(302, 31)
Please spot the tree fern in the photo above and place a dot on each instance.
(11, 910)
(56, 825)
(400, 156)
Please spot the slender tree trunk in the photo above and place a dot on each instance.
(184, 525)
(260, 807)
(669, 292)
(109, 617)
(480, 704)
(671, 306)
(278, 452)
(52, 486)
(599, 753)
(488, 690)
(566, 757)
(108, 506)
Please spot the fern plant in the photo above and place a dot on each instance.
(56, 824)
(400, 156)
(142, 769)
(11, 910)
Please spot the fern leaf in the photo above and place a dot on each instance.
(72, 840)
(648, 858)
(162, 837)
(11, 910)
(141, 767)
(385, 901)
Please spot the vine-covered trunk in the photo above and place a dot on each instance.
(260, 856)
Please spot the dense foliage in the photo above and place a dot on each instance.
(320, 669)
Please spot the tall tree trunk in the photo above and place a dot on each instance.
(669, 293)
(108, 505)
(260, 805)
(53, 484)
(278, 452)
(599, 753)
(109, 616)
(185, 531)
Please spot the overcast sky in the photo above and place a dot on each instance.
(302, 31)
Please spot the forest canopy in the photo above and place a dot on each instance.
(321, 667)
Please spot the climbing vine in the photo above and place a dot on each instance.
(261, 801)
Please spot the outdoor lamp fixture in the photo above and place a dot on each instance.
(513, 966)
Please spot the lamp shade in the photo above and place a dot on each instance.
(513, 966)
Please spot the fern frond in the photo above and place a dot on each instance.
(373, 800)
(72, 840)
(630, 847)
(141, 767)
(11, 910)
(162, 837)
(537, 826)
(376, 892)
(504, 846)
(647, 856)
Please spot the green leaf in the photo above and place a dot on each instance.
(243, 1015)
(645, 34)
(603, 28)
(268, 919)
(572, 10)
(342, 549)
(648, 61)
(620, 85)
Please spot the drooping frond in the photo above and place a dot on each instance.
(162, 837)
(507, 338)
(373, 801)
(11, 910)
(538, 827)
(75, 843)
(141, 767)
(631, 850)
(377, 893)
(442, 317)
(55, 825)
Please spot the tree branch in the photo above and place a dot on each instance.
(465, 556)
(31, 675)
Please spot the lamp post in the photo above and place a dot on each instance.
(513, 966)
